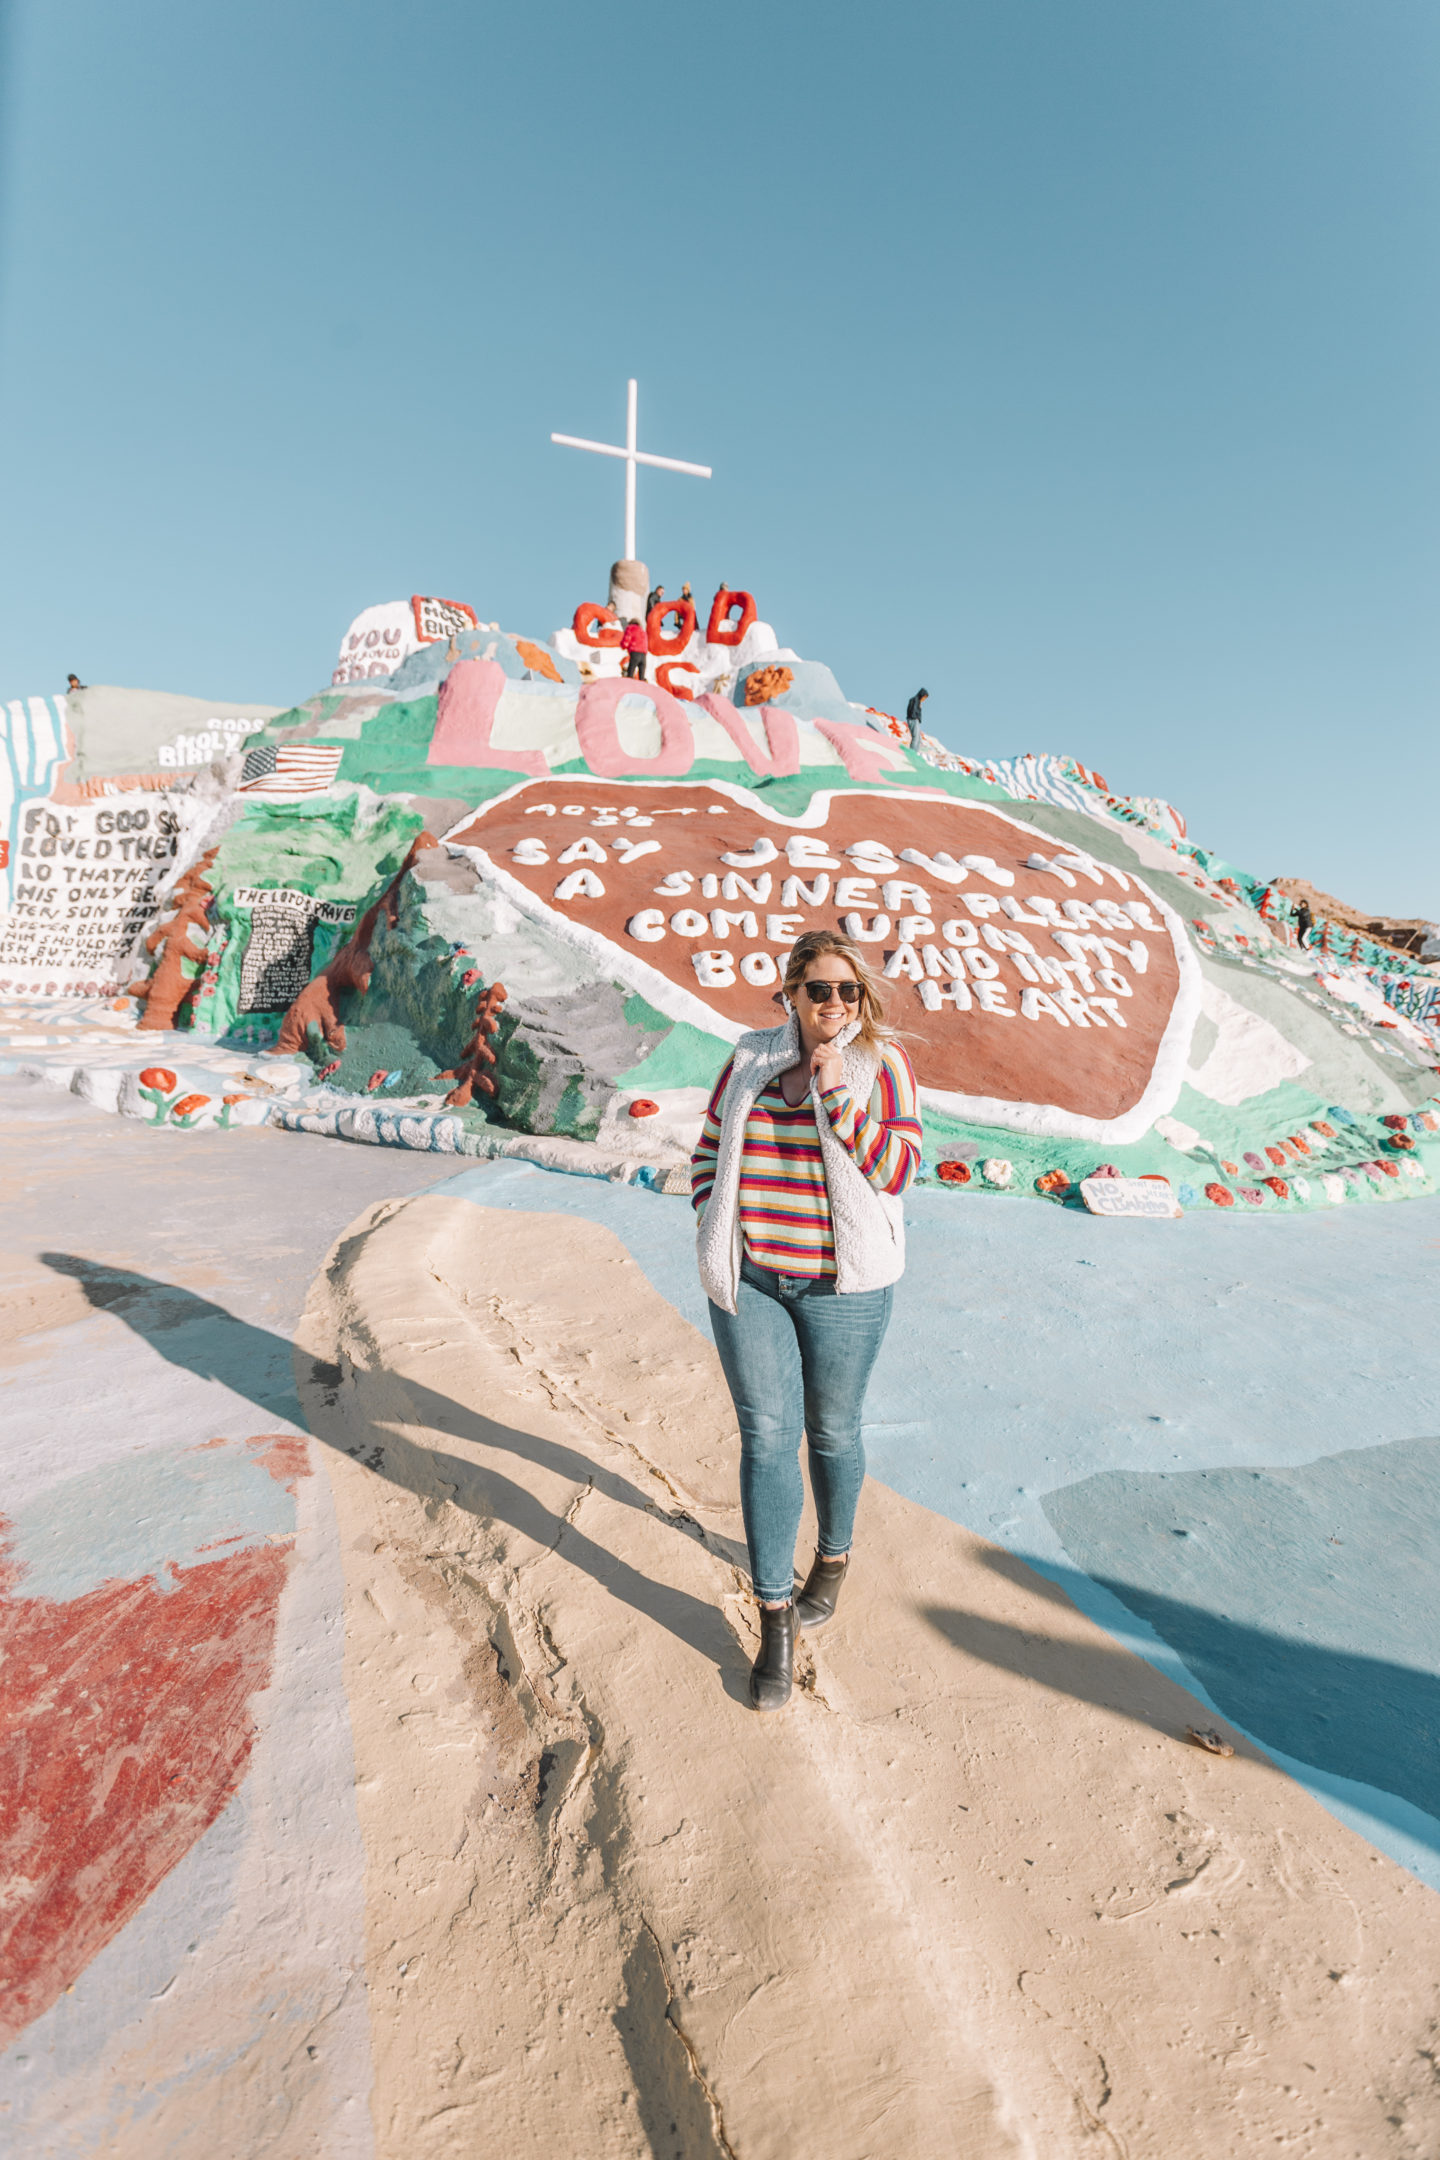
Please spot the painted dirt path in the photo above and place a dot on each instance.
(1220, 1443)
(506, 1866)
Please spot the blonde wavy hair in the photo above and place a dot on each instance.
(813, 945)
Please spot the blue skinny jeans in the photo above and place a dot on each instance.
(797, 1357)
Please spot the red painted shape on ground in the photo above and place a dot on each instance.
(125, 1728)
(285, 1455)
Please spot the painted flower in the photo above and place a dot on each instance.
(160, 1078)
(1326, 1132)
(1397, 1121)
(1254, 1162)
(471, 975)
(188, 1105)
(953, 1173)
(1334, 1186)
(1298, 1143)
(1390, 1169)
(1275, 1155)
(643, 1107)
(1300, 1187)
(1231, 1169)
(376, 1079)
(234, 1098)
(1221, 1195)
(996, 1171)
(1253, 1194)
(326, 1070)
(1105, 1169)
(1400, 1140)
(1053, 1181)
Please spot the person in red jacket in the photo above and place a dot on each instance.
(635, 645)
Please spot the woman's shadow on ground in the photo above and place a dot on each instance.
(204, 1339)
(1367, 1718)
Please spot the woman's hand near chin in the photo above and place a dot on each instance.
(827, 1066)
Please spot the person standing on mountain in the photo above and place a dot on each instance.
(635, 644)
(656, 596)
(913, 716)
(1304, 922)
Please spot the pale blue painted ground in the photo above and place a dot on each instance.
(149, 1514)
(1217, 1435)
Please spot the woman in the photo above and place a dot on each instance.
(811, 1136)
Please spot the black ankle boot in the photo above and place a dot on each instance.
(772, 1674)
(816, 1603)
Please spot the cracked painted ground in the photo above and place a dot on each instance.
(378, 1774)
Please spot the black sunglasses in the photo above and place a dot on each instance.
(820, 993)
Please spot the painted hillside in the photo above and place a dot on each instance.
(481, 892)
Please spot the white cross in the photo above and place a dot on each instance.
(632, 457)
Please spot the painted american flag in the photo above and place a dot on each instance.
(290, 768)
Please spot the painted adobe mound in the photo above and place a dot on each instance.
(498, 891)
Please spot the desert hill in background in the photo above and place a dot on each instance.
(1410, 935)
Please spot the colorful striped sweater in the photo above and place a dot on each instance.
(784, 1203)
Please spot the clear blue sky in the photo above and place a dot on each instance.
(1079, 359)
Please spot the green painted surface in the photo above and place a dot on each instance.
(341, 853)
(687, 1058)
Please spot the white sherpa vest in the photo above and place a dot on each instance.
(868, 1227)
